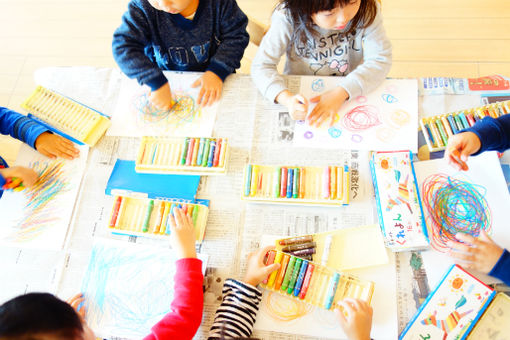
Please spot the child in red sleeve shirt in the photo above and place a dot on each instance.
(44, 316)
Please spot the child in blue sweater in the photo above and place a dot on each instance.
(35, 135)
(181, 35)
(480, 253)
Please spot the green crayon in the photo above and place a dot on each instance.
(294, 276)
(288, 273)
(147, 218)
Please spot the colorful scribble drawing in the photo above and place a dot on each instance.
(361, 118)
(389, 98)
(454, 206)
(400, 118)
(184, 111)
(446, 325)
(42, 205)
(285, 309)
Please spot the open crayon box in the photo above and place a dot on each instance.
(313, 283)
(142, 216)
(438, 129)
(183, 155)
(341, 249)
(66, 116)
(309, 185)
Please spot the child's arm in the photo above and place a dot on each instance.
(357, 322)
(238, 311)
(186, 315)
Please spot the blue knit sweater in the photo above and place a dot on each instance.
(149, 41)
(19, 127)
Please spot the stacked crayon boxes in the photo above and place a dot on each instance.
(329, 185)
(70, 118)
(313, 283)
(140, 216)
(438, 129)
(189, 155)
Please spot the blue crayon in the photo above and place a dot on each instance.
(464, 120)
(333, 284)
(211, 154)
(290, 177)
(200, 151)
(453, 125)
(429, 132)
(154, 154)
(301, 276)
(247, 184)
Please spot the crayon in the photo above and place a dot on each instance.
(171, 215)
(288, 273)
(464, 120)
(306, 281)
(332, 181)
(327, 249)
(307, 257)
(191, 208)
(210, 159)
(283, 183)
(205, 155)
(302, 183)
(154, 153)
(294, 240)
(294, 276)
(453, 124)
(147, 218)
(184, 209)
(442, 132)
(281, 272)
(272, 276)
(200, 154)
(459, 122)
(290, 177)
(347, 185)
(216, 159)
(303, 252)
(331, 290)
(271, 255)
(435, 133)
(194, 155)
(184, 152)
(247, 184)
(165, 217)
(160, 217)
(276, 181)
(223, 152)
(115, 213)
(194, 215)
(470, 119)
(322, 291)
(259, 183)
(300, 279)
(299, 246)
(325, 183)
(447, 126)
(295, 181)
(191, 148)
(254, 180)
(429, 133)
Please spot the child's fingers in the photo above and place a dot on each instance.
(197, 82)
(262, 252)
(315, 99)
(464, 257)
(340, 315)
(179, 217)
(200, 95)
(271, 268)
(74, 298)
(346, 306)
(466, 238)
(354, 303)
(458, 246)
(47, 153)
(485, 237)
(173, 224)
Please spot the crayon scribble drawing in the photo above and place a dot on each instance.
(128, 287)
(39, 216)
(135, 115)
(385, 119)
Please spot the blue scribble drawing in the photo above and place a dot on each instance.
(389, 98)
(334, 132)
(318, 85)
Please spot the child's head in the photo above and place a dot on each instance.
(183, 7)
(41, 316)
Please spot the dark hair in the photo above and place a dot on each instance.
(301, 12)
(34, 315)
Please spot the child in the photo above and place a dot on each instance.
(327, 38)
(47, 317)
(35, 135)
(181, 35)
(480, 253)
(236, 315)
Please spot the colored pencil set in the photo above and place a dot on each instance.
(329, 185)
(313, 283)
(66, 115)
(151, 217)
(184, 155)
(438, 129)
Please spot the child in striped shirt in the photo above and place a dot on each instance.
(237, 314)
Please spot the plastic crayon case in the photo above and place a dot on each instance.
(141, 216)
(313, 283)
(438, 129)
(183, 155)
(308, 185)
(69, 117)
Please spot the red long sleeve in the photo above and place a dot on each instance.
(185, 316)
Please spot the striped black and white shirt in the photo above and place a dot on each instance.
(238, 311)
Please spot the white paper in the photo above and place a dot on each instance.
(135, 116)
(384, 120)
(39, 217)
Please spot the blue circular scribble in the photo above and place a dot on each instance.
(317, 85)
(334, 132)
(389, 98)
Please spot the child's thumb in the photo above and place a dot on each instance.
(271, 268)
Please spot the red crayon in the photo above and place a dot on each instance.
(115, 213)
(184, 209)
(270, 259)
(471, 119)
(217, 152)
(191, 146)
(259, 187)
(306, 281)
(283, 183)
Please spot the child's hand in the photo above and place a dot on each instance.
(329, 103)
(54, 146)
(459, 147)
(211, 88)
(162, 97)
(296, 103)
(358, 322)
(256, 270)
(75, 302)
(182, 235)
(27, 175)
(476, 253)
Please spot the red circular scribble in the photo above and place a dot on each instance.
(361, 118)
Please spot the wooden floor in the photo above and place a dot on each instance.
(460, 38)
